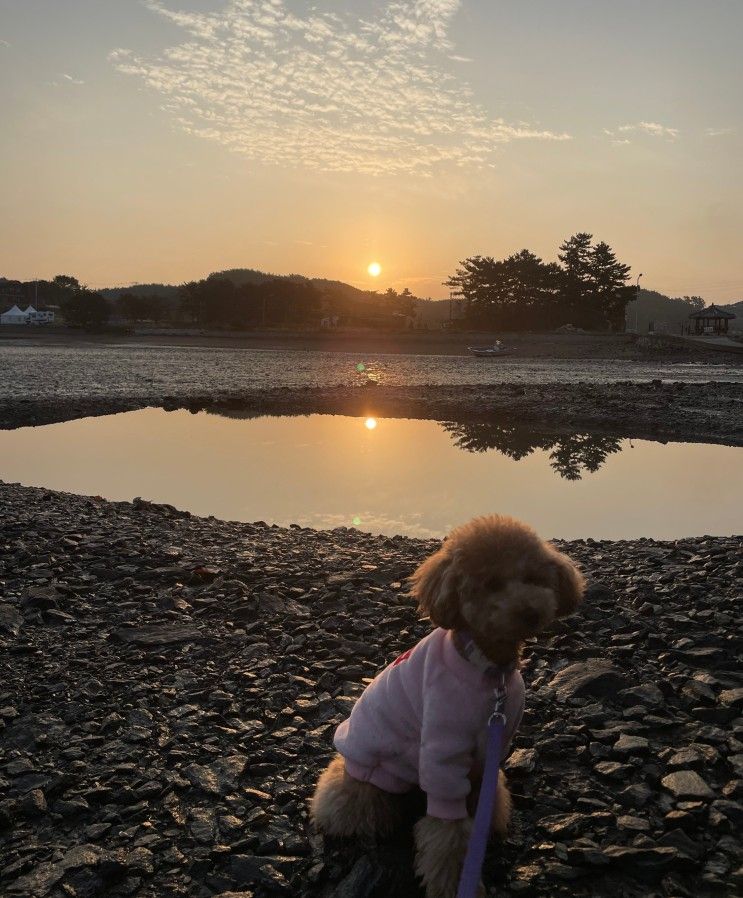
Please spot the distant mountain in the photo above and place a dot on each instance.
(167, 291)
(238, 276)
(668, 313)
(433, 310)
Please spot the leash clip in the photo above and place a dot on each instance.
(500, 694)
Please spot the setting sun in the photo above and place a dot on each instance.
(374, 269)
(370, 423)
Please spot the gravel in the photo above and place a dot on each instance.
(170, 686)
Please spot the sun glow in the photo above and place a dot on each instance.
(370, 423)
(374, 269)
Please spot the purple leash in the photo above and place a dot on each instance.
(472, 869)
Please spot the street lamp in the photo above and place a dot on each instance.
(637, 300)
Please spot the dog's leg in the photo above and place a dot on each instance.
(501, 815)
(502, 808)
(345, 807)
(440, 847)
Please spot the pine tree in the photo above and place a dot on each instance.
(608, 278)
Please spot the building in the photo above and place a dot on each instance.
(712, 320)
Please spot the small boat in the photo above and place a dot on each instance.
(489, 352)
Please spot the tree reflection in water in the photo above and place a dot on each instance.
(570, 456)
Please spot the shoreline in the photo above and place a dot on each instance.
(627, 346)
(655, 410)
(172, 684)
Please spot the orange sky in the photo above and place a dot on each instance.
(160, 141)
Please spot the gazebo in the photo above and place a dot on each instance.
(712, 320)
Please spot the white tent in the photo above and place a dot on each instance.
(29, 311)
(14, 316)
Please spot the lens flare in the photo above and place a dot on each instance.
(356, 521)
(361, 367)
(370, 423)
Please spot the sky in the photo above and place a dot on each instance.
(160, 140)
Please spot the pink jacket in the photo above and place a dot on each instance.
(423, 721)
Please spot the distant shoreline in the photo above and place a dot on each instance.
(522, 345)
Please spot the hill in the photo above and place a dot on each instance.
(667, 313)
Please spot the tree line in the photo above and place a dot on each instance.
(217, 301)
(586, 288)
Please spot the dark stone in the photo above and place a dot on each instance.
(593, 678)
(155, 635)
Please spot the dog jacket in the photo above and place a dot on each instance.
(423, 721)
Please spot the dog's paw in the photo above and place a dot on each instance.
(440, 847)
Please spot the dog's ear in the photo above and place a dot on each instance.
(570, 585)
(435, 586)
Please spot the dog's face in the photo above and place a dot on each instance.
(495, 577)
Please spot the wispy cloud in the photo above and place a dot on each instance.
(326, 90)
(718, 132)
(71, 80)
(4, 43)
(619, 135)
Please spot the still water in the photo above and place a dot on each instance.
(386, 475)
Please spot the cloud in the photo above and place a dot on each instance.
(651, 128)
(719, 132)
(71, 80)
(4, 43)
(325, 90)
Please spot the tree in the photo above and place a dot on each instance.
(140, 307)
(575, 255)
(66, 281)
(509, 294)
(608, 279)
(85, 308)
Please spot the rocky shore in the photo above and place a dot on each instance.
(170, 686)
(652, 410)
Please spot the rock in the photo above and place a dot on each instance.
(219, 777)
(648, 864)
(630, 745)
(521, 761)
(733, 810)
(252, 870)
(11, 620)
(249, 894)
(365, 880)
(156, 635)
(34, 803)
(38, 882)
(731, 697)
(687, 784)
(677, 838)
(634, 824)
(593, 678)
(642, 694)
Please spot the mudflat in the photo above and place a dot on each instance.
(433, 342)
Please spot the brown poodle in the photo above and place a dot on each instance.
(422, 721)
